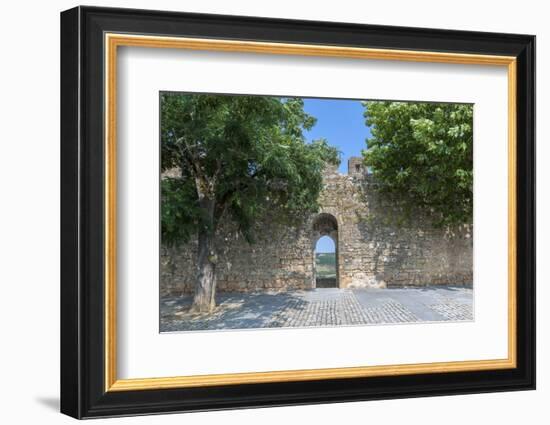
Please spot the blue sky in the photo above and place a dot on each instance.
(341, 122)
(325, 244)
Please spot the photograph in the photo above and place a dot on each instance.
(293, 212)
(285, 210)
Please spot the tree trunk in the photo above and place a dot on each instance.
(205, 286)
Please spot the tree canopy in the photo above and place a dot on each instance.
(248, 153)
(234, 158)
(422, 153)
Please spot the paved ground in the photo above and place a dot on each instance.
(321, 307)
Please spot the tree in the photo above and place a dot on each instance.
(422, 154)
(237, 158)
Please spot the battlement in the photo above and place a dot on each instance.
(356, 166)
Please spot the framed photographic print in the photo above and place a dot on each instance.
(261, 212)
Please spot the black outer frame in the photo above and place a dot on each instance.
(82, 212)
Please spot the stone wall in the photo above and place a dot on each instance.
(375, 247)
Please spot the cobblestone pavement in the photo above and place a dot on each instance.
(320, 307)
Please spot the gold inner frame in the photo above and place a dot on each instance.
(113, 41)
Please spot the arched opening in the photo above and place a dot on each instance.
(325, 251)
(325, 263)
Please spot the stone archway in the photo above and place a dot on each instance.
(325, 224)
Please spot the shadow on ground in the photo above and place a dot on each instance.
(233, 311)
(320, 307)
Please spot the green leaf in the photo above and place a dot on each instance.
(422, 154)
